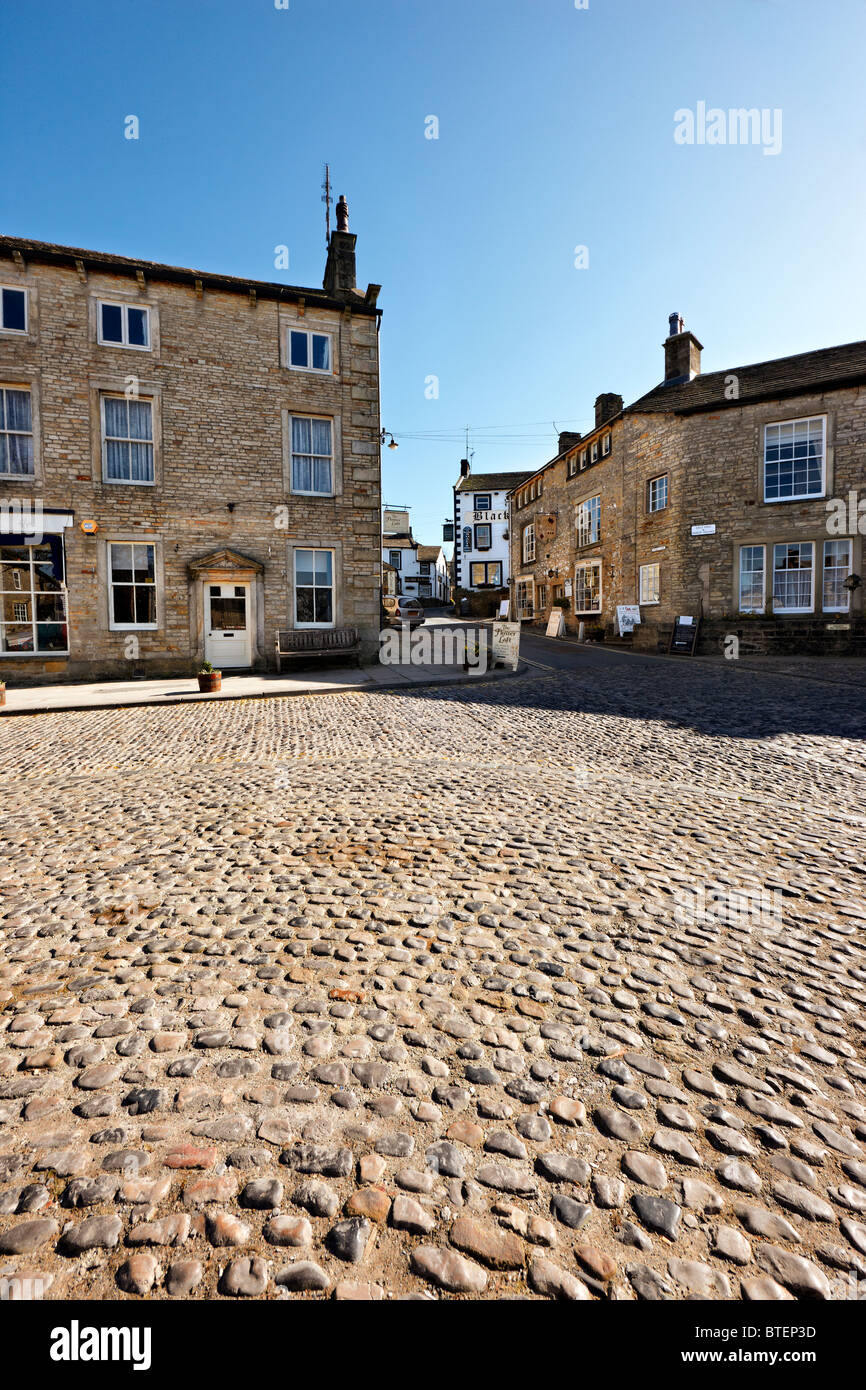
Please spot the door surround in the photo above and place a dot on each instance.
(226, 567)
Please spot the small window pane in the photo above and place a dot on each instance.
(321, 352)
(14, 310)
(298, 351)
(304, 567)
(137, 319)
(112, 323)
(121, 564)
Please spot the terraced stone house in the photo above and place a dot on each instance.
(733, 497)
(189, 463)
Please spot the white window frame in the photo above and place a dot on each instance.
(112, 585)
(783, 424)
(583, 456)
(605, 445)
(585, 565)
(750, 608)
(652, 493)
(139, 400)
(593, 451)
(527, 543)
(16, 332)
(483, 526)
(489, 505)
(315, 550)
(846, 606)
(528, 584)
(395, 559)
(124, 308)
(27, 434)
(301, 492)
(785, 545)
(645, 570)
(310, 334)
(587, 518)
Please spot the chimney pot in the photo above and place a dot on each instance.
(675, 324)
(464, 468)
(342, 214)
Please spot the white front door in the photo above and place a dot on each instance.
(227, 641)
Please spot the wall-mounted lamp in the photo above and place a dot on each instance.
(386, 434)
(853, 582)
(230, 506)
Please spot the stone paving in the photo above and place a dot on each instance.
(400, 995)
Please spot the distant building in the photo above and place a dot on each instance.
(420, 571)
(481, 549)
(735, 497)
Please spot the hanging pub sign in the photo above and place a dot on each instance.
(684, 637)
(545, 527)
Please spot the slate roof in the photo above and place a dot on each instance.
(821, 370)
(429, 552)
(50, 253)
(493, 482)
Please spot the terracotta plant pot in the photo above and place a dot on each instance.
(2, 694)
(209, 681)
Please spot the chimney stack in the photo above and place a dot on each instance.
(567, 440)
(607, 406)
(682, 353)
(339, 281)
(464, 468)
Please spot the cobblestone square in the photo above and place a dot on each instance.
(444, 993)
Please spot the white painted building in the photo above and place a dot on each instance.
(421, 570)
(481, 527)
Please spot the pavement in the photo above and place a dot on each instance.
(551, 987)
(315, 679)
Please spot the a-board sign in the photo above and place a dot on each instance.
(627, 617)
(684, 637)
(567, 588)
(556, 623)
(505, 609)
(505, 647)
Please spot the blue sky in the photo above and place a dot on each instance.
(556, 130)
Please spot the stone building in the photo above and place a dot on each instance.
(189, 462)
(732, 497)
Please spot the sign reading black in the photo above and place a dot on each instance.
(684, 637)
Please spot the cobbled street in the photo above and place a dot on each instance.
(399, 995)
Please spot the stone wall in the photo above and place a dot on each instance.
(222, 395)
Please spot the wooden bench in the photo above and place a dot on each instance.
(300, 644)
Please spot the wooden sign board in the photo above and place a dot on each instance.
(556, 623)
(627, 617)
(505, 647)
(684, 637)
(545, 527)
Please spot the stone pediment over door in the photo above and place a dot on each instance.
(224, 562)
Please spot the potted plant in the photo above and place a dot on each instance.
(2, 692)
(209, 680)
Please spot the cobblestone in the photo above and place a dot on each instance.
(377, 995)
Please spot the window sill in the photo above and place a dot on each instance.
(801, 497)
(325, 496)
(126, 482)
(124, 347)
(32, 656)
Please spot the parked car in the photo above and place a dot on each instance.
(403, 609)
